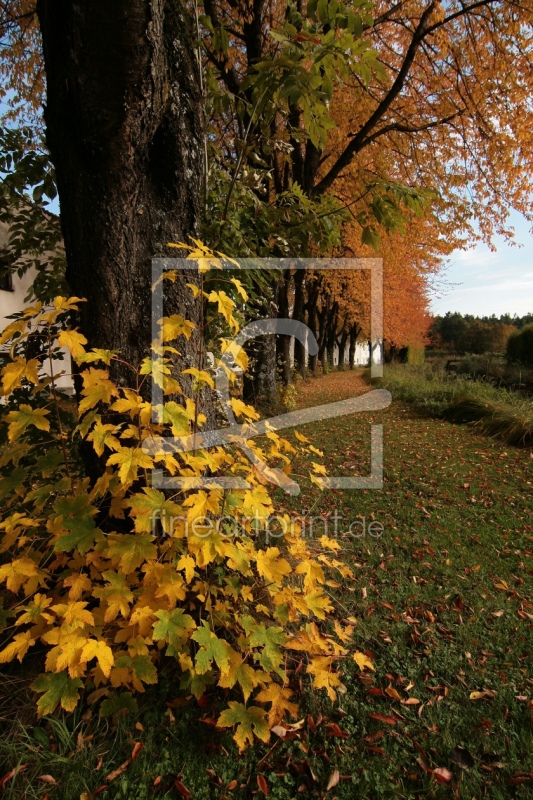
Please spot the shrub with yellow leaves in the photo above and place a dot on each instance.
(113, 577)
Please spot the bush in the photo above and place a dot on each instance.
(115, 577)
(520, 346)
(495, 412)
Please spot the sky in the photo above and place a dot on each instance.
(481, 282)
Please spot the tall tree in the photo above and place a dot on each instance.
(124, 124)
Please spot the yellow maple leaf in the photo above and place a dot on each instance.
(249, 721)
(271, 567)
(73, 340)
(78, 584)
(130, 460)
(201, 377)
(319, 468)
(257, 503)
(96, 388)
(225, 307)
(240, 288)
(17, 648)
(66, 303)
(242, 673)
(130, 404)
(67, 653)
(313, 573)
(242, 410)
(318, 603)
(174, 326)
(97, 648)
(102, 436)
(323, 677)
(75, 614)
(18, 572)
(188, 564)
(19, 326)
(200, 504)
(279, 698)
(15, 371)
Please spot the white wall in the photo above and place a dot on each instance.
(13, 301)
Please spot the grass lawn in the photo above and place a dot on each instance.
(444, 607)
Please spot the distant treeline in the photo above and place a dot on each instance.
(466, 333)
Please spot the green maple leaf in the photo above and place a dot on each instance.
(212, 649)
(58, 688)
(82, 535)
(178, 416)
(13, 482)
(270, 638)
(151, 506)
(118, 705)
(144, 669)
(26, 415)
(132, 550)
(77, 515)
(116, 594)
(173, 627)
(249, 721)
(49, 462)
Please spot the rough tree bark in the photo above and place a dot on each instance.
(125, 129)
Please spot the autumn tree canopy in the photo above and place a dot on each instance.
(332, 123)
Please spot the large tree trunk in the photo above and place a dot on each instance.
(343, 341)
(354, 333)
(125, 130)
(283, 345)
(300, 351)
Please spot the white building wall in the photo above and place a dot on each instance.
(12, 302)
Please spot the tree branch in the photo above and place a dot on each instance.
(359, 140)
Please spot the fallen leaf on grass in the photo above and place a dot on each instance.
(462, 758)
(10, 775)
(263, 785)
(363, 661)
(334, 779)
(520, 777)
(137, 747)
(375, 737)
(334, 730)
(116, 773)
(392, 692)
(383, 718)
(442, 775)
(184, 792)
(47, 779)
(502, 585)
(486, 693)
